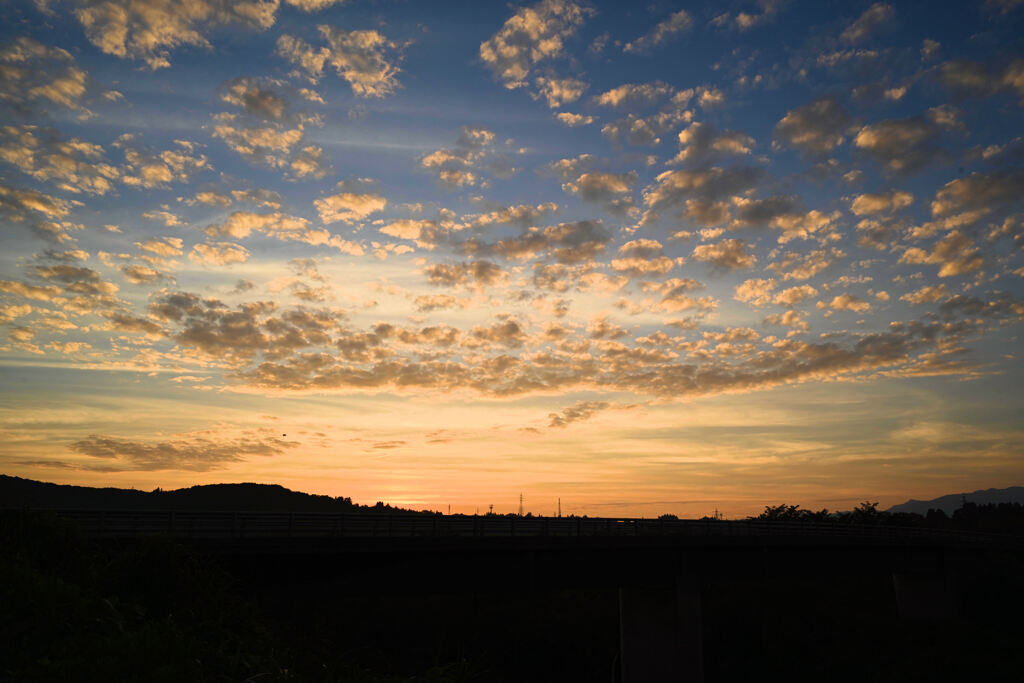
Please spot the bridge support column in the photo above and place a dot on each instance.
(927, 596)
(660, 633)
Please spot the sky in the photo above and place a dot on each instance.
(641, 258)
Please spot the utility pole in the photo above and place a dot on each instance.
(520, 504)
(559, 506)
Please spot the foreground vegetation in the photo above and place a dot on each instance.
(156, 611)
(152, 612)
(1000, 518)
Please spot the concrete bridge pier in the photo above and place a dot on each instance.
(660, 633)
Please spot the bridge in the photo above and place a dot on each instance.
(657, 564)
(239, 525)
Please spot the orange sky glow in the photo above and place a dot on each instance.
(670, 258)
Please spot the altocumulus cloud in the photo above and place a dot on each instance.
(589, 207)
(197, 453)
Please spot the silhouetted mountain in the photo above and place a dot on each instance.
(1013, 494)
(18, 492)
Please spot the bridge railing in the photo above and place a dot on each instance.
(223, 524)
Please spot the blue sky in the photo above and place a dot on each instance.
(664, 257)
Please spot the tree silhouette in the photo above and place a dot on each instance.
(866, 513)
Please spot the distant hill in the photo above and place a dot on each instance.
(16, 492)
(1013, 494)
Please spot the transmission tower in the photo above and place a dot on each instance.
(520, 505)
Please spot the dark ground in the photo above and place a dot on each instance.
(156, 611)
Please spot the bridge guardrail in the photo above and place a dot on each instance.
(192, 524)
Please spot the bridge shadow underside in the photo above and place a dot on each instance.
(661, 582)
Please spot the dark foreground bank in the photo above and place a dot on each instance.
(159, 611)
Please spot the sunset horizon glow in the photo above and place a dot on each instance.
(661, 259)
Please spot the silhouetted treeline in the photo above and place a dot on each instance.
(16, 492)
(1007, 518)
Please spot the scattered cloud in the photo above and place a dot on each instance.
(642, 257)
(979, 191)
(366, 59)
(574, 120)
(560, 91)
(474, 154)
(314, 5)
(532, 35)
(744, 21)
(241, 224)
(218, 253)
(348, 206)
(581, 411)
(612, 190)
(147, 30)
(472, 274)
(815, 128)
(199, 453)
(927, 294)
(905, 146)
(968, 78)
(955, 254)
(634, 95)
(730, 254)
(676, 23)
(38, 77)
(849, 302)
(887, 202)
(700, 143)
(879, 14)
(756, 291)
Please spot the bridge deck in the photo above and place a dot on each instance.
(213, 525)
